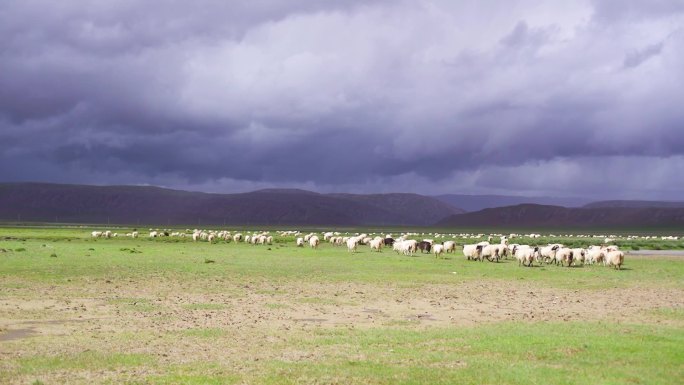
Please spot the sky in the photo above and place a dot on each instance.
(515, 97)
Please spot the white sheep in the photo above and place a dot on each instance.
(438, 250)
(615, 258)
(564, 256)
(525, 255)
(300, 242)
(579, 254)
(473, 252)
(449, 246)
(406, 247)
(352, 243)
(595, 254)
(491, 252)
(314, 242)
(548, 253)
(376, 244)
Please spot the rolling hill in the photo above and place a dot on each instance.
(634, 204)
(544, 216)
(479, 202)
(43, 202)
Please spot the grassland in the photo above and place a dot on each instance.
(80, 310)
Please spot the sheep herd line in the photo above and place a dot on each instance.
(527, 255)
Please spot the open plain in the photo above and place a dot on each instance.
(77, 309)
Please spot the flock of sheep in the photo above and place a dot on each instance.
(526, 255)
(556, 253)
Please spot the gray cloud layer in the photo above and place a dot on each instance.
(519, 97)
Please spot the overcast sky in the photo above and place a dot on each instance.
(575, 98)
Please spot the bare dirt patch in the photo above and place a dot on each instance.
(303, 305)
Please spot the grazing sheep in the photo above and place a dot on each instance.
(397, 246)
(512, 248)
(525, 255)
(424, 246)
(615, 258)
(96, 234)
(352, 243)
(491, 252)
(548, 253)
(389, 241)
(503, 250)
(564, 256)
(411, 246)
(134, 234)
(579, 254)
(407, 247)
(154, 234)
(450, 246)
(438, 250)
(595, 254)
(473, 252)
(237, 237)
(300, 242)
(314, 242)
(376, 244)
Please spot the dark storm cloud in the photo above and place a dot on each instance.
(517, 96)
(635, 58)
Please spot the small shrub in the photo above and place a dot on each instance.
(207, 260)
(635, 247)
(20, 249)
(132, 251)
(53, 255)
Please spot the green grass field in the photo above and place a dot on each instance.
(79, 310)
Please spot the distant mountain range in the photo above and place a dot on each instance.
(544, 216)
(634, 204)
(42, 202)
(479, 202)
